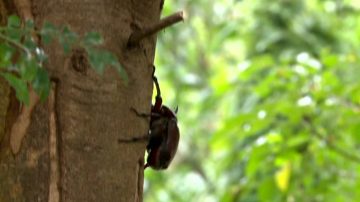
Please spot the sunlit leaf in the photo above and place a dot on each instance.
(282, 177)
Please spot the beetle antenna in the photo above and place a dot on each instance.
(176, 109)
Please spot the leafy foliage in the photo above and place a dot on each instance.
(21, 59)
(269, 101)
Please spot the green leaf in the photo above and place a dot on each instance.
(96, 60)
(69, 35)
(267, 190)
(14, 34)
(122, 72)
(48, 32)
(41, 83)
(66, 47)
(46, 38)
(29, 24)
(14, 21)
(6, 53)
(67, 39)
(99, 59)
(92, 39)
(28, 70)
(49, 28)
(29, 43)
(20, 86)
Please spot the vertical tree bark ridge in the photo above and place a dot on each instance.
(54, 192)
(19, 128)
(140, 179)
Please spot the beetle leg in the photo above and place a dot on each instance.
(145, 115)
(134, 139)
(156, 115)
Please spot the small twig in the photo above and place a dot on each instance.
(337, 149)
(148, 31)
(15, 44)
(342, 152)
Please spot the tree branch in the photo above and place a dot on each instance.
(148, 31)
(344, 153)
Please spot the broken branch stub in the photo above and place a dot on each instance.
(138, 35)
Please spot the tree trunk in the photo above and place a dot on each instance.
(70, 150)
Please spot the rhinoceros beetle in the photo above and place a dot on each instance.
(163, 136)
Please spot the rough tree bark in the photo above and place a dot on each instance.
(70, 150)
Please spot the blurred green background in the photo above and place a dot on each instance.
(269, 101)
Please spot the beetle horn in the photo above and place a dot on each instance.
(176, 109)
